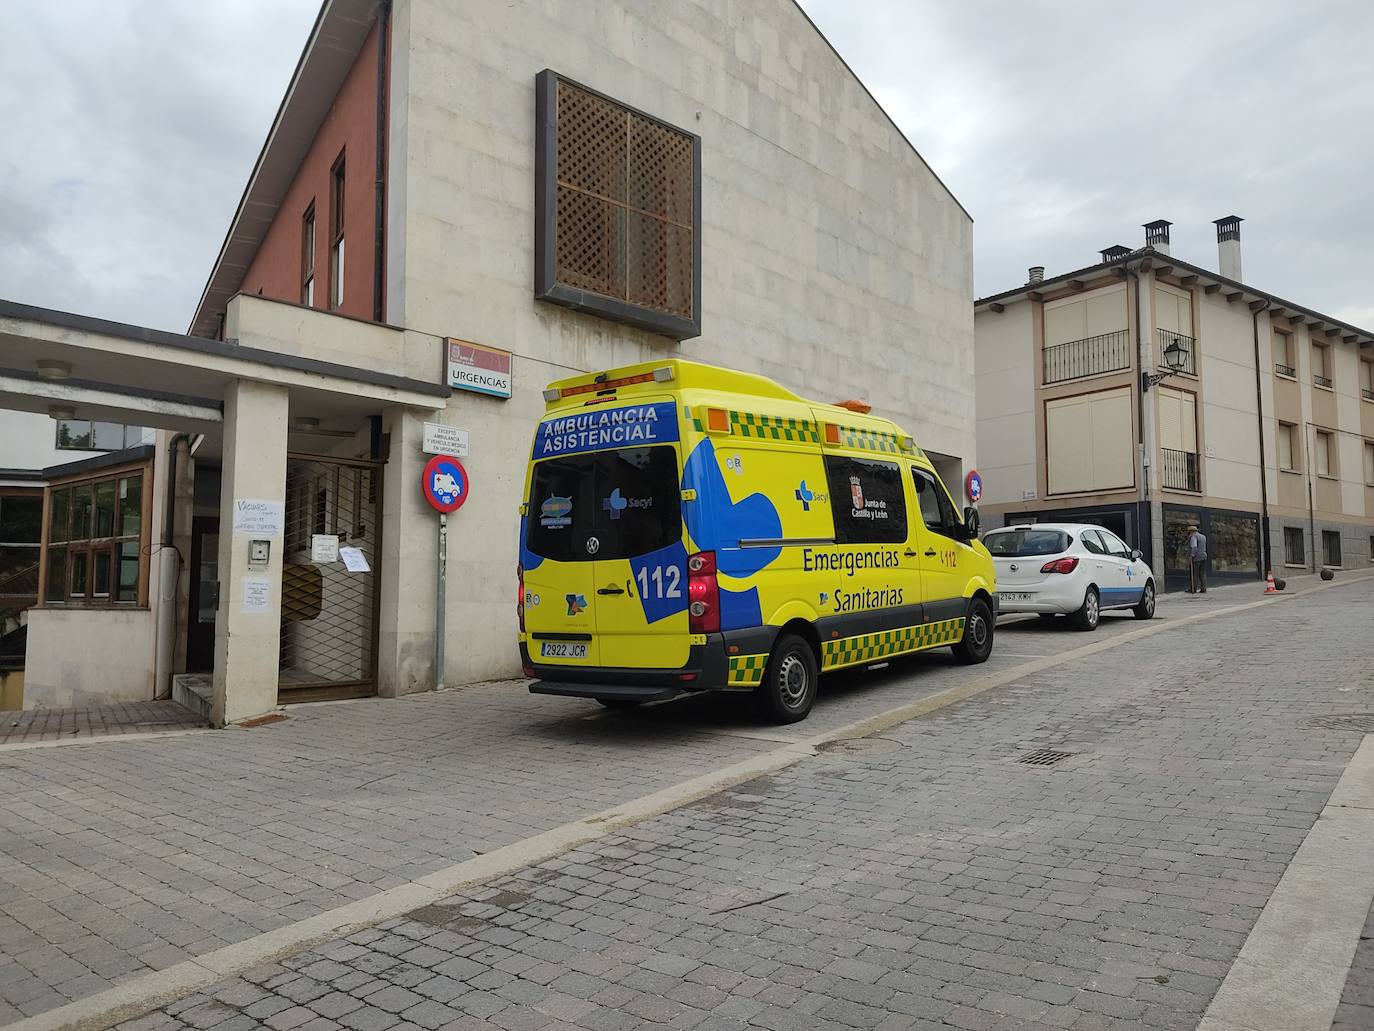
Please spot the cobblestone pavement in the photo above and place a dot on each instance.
(122, 857)
(32, 725)
(924, 878)
(1356, 1011)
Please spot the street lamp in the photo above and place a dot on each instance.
(1174, 357)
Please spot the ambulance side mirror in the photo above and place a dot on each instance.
(971, 522)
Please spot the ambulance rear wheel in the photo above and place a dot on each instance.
(789, 682)
(977, 643)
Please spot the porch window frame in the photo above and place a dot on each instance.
(87, 550)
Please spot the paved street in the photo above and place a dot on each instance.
(920, 876)
(31, 726)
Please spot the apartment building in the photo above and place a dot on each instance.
(458, 203)
(1144, 393)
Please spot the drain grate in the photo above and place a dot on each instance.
(1354, 722)
(1044, 757)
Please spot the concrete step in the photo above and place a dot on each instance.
(193, 691)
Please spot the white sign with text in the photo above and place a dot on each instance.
(445, 440)
(258, 518)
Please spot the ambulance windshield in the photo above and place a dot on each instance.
(604, 505)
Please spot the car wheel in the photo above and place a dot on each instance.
(789, 682)
(976, 645)
(1091, 611)
(1146, 608)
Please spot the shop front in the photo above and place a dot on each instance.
(1233, 545)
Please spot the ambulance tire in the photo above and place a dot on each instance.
(789, 682)
(978, 628)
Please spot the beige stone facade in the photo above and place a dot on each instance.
(1068, 427)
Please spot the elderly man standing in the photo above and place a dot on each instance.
(1197, 560)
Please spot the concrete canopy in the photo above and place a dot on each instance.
(165, 380)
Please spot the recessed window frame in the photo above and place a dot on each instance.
(1321, 366)
(1331, 549)
(21, 545)
(84, 534)
(337, 255)
(1285, 357)
(546, 284)
(1324, 454)
(1287, 431)
(1294, 547)
(130, 436)
(308, 256)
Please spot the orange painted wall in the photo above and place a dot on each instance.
(350, 129)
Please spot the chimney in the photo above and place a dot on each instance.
(1157, 235)
(1035, 274)
(1114, 253)
(1228, 246)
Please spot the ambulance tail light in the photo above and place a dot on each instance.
(520, 596)
(703, 593)
(1060, 565)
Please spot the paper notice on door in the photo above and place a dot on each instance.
(257, 594)
(354, 560)
(324, 547)
(258, 518)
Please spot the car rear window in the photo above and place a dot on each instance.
(1024, 543)
(627, 500)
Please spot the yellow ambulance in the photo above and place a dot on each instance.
(690, 528)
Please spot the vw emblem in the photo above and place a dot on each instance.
(1013, 567)
(593, 545)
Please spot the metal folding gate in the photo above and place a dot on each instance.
(330, 581)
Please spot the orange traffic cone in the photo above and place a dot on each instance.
(1269, 587)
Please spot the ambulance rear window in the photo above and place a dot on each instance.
(604, 505)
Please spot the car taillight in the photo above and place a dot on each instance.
(1060, 565)
(703, 593)
(520, 596)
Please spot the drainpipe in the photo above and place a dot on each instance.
(379, 199)
(169, 572)
(1143, 505)
(1267, 546)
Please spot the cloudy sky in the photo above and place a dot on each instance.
(130, 126)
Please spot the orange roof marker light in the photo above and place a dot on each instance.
(717, 420)
(604, 383)
(858, 407)
(832, 433)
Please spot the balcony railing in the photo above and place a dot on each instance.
(1321, 381)
(1167, 337)
(1110, 352)
(1180, 470)
(1286, 370)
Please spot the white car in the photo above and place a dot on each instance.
(1069, 569)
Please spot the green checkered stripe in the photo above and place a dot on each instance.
(869, 440)
(872, 647)
(768, 427)
(773, 427)
(746, 669)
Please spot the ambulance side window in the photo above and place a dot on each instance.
(867, 500)
(936, 511)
